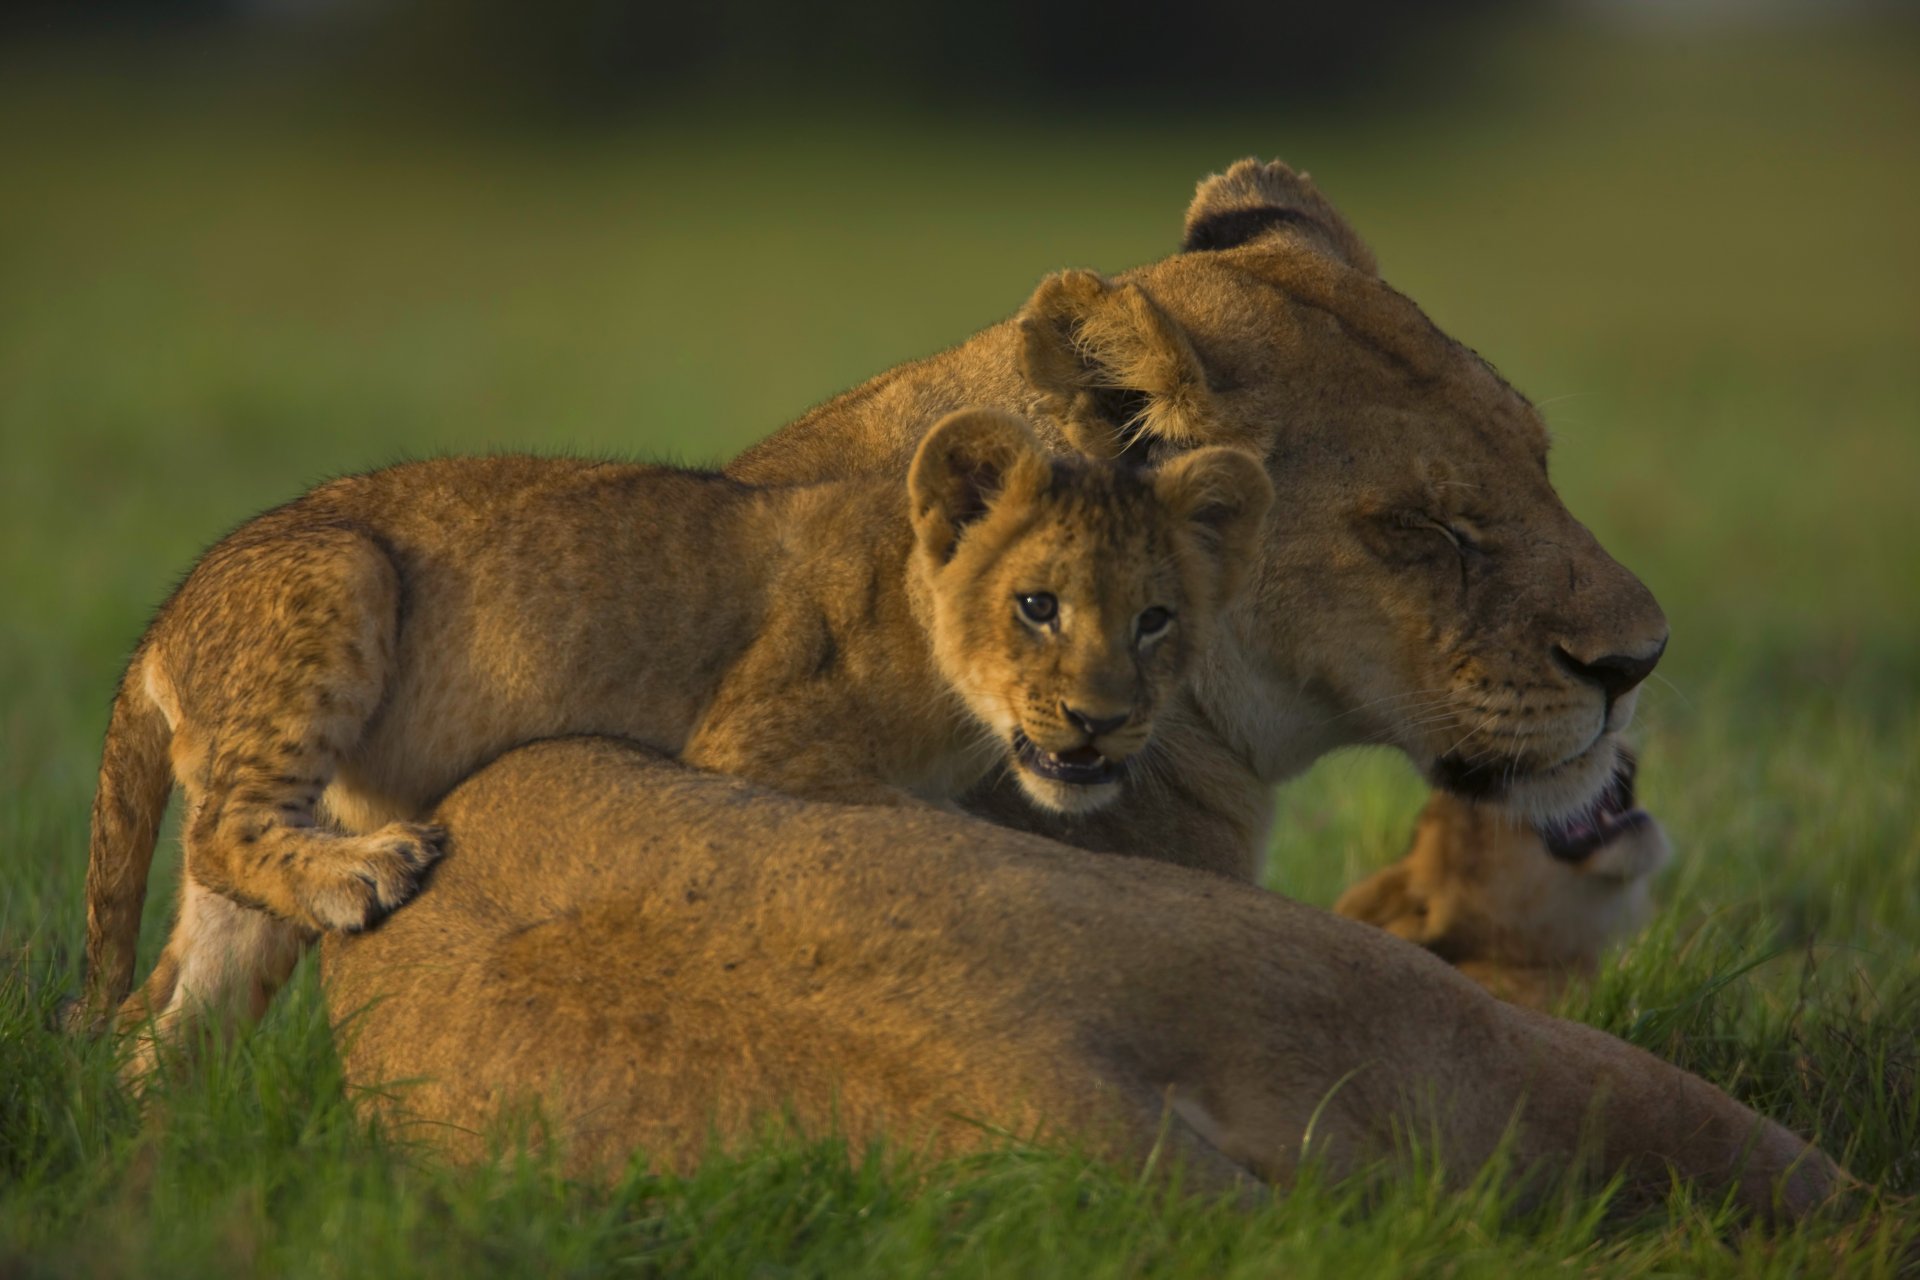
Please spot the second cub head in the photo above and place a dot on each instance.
(1068, 598)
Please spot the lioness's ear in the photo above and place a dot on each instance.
(1110, 365)
(963, 466)
(1252, 200)
(1225, 494)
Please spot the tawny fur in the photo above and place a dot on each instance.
(331, 668)
(1478, 888)
(924, 977)
(1421, 585)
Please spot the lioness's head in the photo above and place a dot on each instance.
(1066, 597)
(1421, 584)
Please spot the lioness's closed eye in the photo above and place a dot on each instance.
(333, 666)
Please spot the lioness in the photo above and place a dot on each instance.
(923, 976)
(1421, 586)
(334, 665)
(1520, 911)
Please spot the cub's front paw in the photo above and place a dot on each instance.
(368, 877)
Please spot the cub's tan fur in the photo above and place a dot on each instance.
(335, 665)
(1479, 889)
(1422, 585)
(922, 976)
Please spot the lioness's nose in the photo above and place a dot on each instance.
(1092, 726)
(1615, 673)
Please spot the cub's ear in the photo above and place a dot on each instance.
(1225, 493)
(1252, 201)
(965, 464)
(1111, 366)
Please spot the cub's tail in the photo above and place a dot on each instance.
(136, 777)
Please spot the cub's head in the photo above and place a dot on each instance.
(1420, 584)
(1518, 907)
(1066, 598)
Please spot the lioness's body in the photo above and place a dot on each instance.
(335, 665)
(928, 978)
(898, 971)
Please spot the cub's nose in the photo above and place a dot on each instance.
(1092, 726)
(1615, 673)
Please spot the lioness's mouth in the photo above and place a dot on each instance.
(1608, 818)
(1082, 766)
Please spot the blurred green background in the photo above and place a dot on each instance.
(245, 246)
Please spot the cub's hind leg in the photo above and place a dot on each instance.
(270, 666)
(221, 966)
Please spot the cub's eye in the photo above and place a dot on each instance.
(1038, 607)
(1152, 623)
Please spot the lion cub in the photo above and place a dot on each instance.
(1520, 910)
(333, 666)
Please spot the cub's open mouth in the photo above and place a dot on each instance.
(1608, 818)
(1083, 766)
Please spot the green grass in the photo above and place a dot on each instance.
(1699, 256)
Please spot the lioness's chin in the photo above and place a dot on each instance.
(1543, 798)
